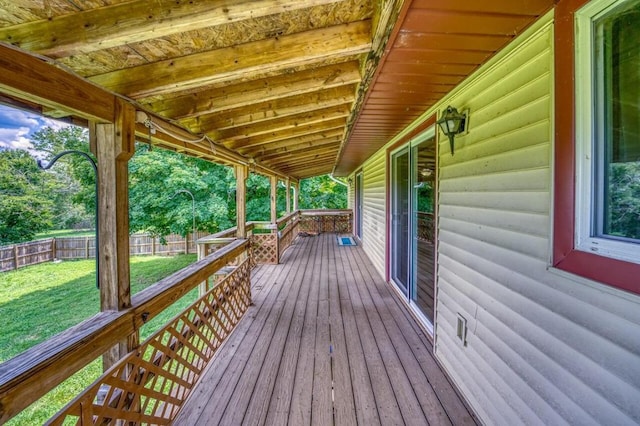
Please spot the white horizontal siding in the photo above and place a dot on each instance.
(374, 210)
(542, 348)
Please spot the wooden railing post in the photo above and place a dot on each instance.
(274, 197)
(288, 197)
(242, 173)
(114, 146)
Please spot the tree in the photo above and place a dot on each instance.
(321, 192)
(75, 198)
(155, 206)
(65, 195)
(624, 200)
(26, 207)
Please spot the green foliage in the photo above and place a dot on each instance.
(624, 200)
(425, 197)
(321, 192)
(75, 174)
(26, 206)
(63, 197)
(156, 204)
(258, 198)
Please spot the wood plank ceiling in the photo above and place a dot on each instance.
(283, 83)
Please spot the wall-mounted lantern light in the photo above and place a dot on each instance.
(452, 123)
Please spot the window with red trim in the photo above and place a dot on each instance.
(597, 181)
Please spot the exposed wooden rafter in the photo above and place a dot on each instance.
(136, 21)
(275, 54)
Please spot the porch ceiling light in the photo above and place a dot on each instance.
(452, 122)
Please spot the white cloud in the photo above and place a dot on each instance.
(17, 126)
(15, 138)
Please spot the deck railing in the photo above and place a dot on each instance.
(150, 383)
(33, 373)
(269, 241)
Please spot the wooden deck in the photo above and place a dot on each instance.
(326, 343)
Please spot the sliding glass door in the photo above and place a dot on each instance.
(400, 219)
(413, 223)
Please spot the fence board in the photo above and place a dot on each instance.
(34, 252)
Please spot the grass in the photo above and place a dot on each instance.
(59, 233)
(40, 301)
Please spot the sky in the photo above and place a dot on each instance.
(17, 126)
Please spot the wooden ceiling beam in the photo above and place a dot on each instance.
(267, 155)
(281, 124)
(34, 80)
(276, 109)
(220, 99)
(306, 139)
(295, 168)
(137, 21)
(304, 174)
(279, 53)
(300, 154)
(289, 134)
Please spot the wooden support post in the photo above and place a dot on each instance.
(288, 198)
(114, 146)
(242, 173)
(296, 196)
(274, 198)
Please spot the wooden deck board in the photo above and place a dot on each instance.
(327, 342)
(343, 400)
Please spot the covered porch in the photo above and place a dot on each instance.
(326, 342)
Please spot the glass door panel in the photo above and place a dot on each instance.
(400, 199)
(359, 201)
(423, 226)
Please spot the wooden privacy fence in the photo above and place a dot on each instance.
(31, 253)
(35, 252)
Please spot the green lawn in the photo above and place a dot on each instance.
(40, 301)
(59, 233)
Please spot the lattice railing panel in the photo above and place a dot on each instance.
(310, 224)
(317, 223)
(264, 248)
(287, 235)
(150, 384)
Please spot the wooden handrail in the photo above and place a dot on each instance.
(287, 218)
(33, 373)
(325, 212)
(150, 384)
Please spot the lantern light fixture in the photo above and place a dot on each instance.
(452, 123)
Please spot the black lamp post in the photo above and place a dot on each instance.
(95, 170)
(452, 122)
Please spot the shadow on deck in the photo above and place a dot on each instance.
(325, 343)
